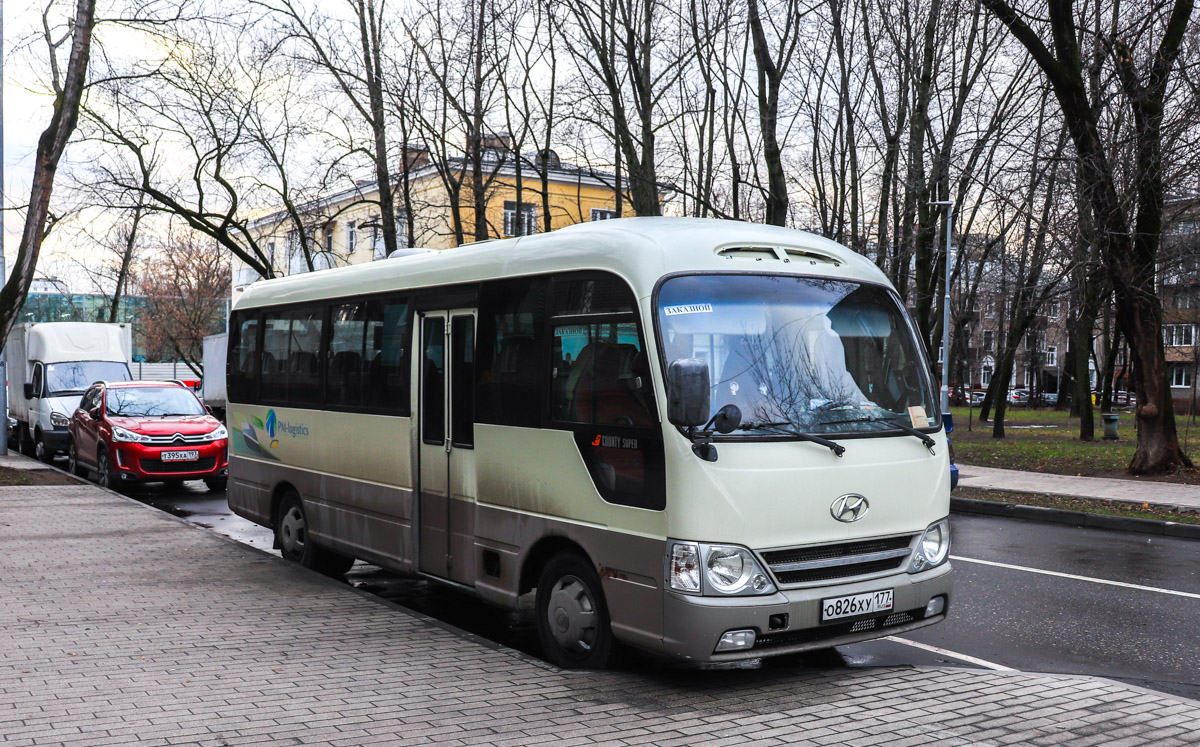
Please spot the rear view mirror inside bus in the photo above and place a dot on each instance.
(688, 392)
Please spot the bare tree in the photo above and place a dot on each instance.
(1128, 248)
(186, 287)
(68, 88)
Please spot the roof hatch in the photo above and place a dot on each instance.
(785, 254)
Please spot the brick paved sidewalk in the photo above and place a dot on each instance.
(1185, 497)
(122, 625)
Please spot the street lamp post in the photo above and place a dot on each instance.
(949, 205)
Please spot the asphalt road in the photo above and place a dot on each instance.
(1016, 615)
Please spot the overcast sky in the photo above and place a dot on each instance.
(26, 114)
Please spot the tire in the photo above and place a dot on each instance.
(572, 616)
(24, 440)
(295, 544)
(41, 451)
(103, 470)
(73, 465)
(216, 484)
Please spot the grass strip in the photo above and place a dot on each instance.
(1087, 505)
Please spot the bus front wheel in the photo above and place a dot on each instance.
(572, 617)
(295, 544)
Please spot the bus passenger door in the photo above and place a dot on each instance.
(447, 468)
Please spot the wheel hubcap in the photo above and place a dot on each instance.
(572, 615)
(292, 531)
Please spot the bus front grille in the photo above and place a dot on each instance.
(799, 565)
(836, 630)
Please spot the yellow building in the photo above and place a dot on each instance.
(344, 228)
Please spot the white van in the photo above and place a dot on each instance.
(50, 366)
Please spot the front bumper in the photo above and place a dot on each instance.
(693, 624)
(56, 441)
(134, 461)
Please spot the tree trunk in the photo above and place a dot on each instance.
(50, 149)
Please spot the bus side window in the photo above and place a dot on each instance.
(604, 375)
(511, 351)
(243, 360)
(304, 347)
(386, 357)
(277, 326)
(344, 362)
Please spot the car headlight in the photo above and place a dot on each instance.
(58, 420)
(933, 548)
(716, 570)
(121, 434)
(219, 433)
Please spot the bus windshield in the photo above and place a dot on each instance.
(804, 354)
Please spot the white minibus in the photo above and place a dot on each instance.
(710, 440)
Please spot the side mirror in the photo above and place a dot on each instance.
(727, 419)
(94, 413)
(688, 392)
(208, 409)
(28, 391)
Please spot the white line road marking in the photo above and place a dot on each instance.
(952, 654)
(1122, 584)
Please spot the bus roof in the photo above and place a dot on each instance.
(641, 250)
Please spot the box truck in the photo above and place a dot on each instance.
(50, 366)
(212, 390)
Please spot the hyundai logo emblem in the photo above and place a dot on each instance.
(850, 507)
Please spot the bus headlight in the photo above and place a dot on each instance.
(716, 570)
(933, 548)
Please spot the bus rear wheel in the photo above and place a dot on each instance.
(572, 617)
(296, 545)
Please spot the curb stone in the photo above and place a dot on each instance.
(1074, 518)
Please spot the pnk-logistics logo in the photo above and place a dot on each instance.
(274, 425)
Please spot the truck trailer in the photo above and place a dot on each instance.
(50, 366)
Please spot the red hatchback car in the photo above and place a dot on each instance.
(133, 431)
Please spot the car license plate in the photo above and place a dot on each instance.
(856, 604)
(180, 456)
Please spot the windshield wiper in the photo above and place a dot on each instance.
(786, 427)
(899, 425)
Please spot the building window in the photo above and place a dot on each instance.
(295, 255)
(402, 229)
(328, 237)
(271, 254)
(523, 225)
(351, 237)
(378, 250)
(1053, 309)
(985, 373)
(1178, 335)
(989, 339)
(1181, 376)
(1051, 355)
(603, 214)
(245, 276)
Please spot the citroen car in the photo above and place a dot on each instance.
(143, 431)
